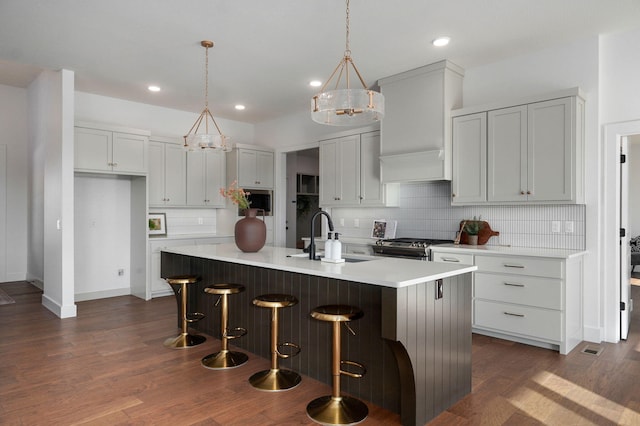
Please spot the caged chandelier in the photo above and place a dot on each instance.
(207, 140)
(347, 107)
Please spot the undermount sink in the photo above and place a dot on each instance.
(319, 255)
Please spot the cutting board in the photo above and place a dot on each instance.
(483, 236)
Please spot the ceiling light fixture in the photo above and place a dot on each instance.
(206, 140)
(347, 107)
(153, 88)
(240, 107)
(441, 41)
(315, 83)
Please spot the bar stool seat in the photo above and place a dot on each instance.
(180, 283)
(225, 358)
(336, 409)
(276, 379)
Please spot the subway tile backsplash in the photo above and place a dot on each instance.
(425, 211)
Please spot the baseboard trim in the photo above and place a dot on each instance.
(61, 311)
(104, 294)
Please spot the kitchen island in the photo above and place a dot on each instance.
(414, 338)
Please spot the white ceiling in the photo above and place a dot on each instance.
(267, 51)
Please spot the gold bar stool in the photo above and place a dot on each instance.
(335, 409)
(276, 379)
(184, 340)
(225, 358)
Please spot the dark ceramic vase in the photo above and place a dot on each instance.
(250, 232)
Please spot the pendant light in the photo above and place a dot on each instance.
(347, 106)
(207, 140)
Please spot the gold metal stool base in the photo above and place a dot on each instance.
(184, 341)
(328, 410)
(224, 359)
(275, 380)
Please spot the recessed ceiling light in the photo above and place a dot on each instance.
(154, 88)
(315, 83)
(240, 107)
(441, 41)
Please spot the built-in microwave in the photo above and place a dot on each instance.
(260, 199)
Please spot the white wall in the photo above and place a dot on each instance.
(102, 223)
(13, 134)
(51, 140)
(160, 121)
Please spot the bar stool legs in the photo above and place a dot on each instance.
(336, 409)
(225, 358)
(276, 379)
(184, 340)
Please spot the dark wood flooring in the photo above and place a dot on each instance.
(108, 366)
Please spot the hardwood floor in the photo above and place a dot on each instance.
(108, 366)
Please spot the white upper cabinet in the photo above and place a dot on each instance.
(167, 174)
(534, 152)
(416, 129)
(206, 172)
(105, 150)
(252, 168)
(469, 183)
(350, 172)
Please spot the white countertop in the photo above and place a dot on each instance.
(383, 271)
(503, 250)
(188, 237)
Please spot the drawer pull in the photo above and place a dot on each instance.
(514, 315)
(509, 265)
(450, 259)
(514, 284)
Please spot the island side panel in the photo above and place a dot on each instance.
(380, 384)
(435, 336)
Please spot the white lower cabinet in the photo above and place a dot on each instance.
(159, 287)
(532, 300)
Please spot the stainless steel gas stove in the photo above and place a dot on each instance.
(410, 248)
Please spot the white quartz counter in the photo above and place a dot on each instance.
(503, 250)
(382, 271)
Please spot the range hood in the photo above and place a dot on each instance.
(416, 130)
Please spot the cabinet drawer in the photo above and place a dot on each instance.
(534, 322)
(464, 259)
(524, 290)
(550, 268)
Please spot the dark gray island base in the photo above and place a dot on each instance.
(416, 348)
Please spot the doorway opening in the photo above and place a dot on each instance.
(303, 182)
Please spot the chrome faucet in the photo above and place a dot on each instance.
(312, 244)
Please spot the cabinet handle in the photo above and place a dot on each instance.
(521, 192)
(514, 315)
(453, 195)
(361, 197)
(514, 284)
(508, 265)
(114, 164)
(257, 182)
(528, 192)
(450, 259)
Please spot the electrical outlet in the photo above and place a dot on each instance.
(200, 221)
(120, 272)
(555, 226)
(356, 223)
(568, 227)
(341, 221)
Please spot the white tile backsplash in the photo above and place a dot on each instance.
(425, 211)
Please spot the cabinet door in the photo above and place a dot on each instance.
(348, 174)
(196, 178)
(215, 178)
(549, 151)
(469, 183)
(371, 189)
(156, 174)
(129, 153)
(92, 149)
(175, 175)
(264, 169)
(507, 154)
(328, 174)
(247, 168)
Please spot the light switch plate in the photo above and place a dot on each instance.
(555, 227)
